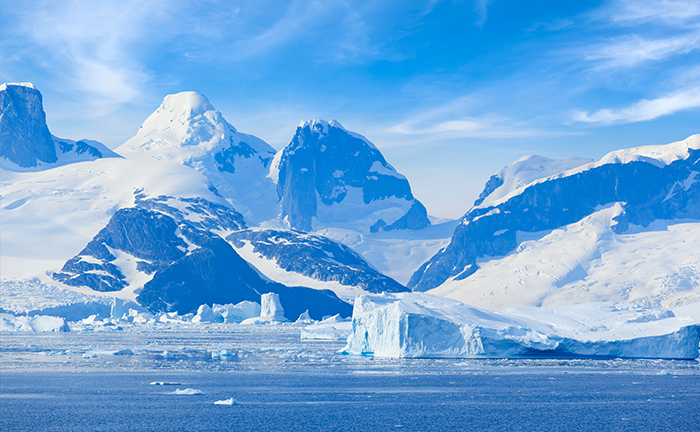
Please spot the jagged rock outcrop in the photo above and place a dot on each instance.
(331, 175)
(316, 257)
(25, 139)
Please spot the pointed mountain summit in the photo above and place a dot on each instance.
(27, 143)
(329, 175)
(186, 128)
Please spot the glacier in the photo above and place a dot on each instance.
(422, 325)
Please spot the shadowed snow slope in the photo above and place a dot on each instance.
(422, 325)
(327, 176)
(537, 238)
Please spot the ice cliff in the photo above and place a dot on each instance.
(422, 325)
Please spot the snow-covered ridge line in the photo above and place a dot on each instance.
(24, 84)
(657, 155)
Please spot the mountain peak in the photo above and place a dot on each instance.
(184, 105)
(321, 126)
(24, 84)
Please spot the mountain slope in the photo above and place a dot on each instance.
(327, 175)
(647, 183)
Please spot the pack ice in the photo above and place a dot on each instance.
(423, 325)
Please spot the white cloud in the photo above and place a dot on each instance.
(452, 120)
(653, 31)
(86, 47)
(645, 109)
(630, 51)
(636, 12)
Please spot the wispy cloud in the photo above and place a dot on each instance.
(481, 8)
(645, 109)
(655, 30)
(636, 12)
(631, 51)
(86, 45)
(453, 120)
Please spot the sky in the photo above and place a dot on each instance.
(449, 91)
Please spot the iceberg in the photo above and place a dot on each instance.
(37, 323)
(423, 325)
(271, 310)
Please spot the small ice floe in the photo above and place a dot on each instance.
(165, 383)
(187, 392)
(230, 401)
(664, 372)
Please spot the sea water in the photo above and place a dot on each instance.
(170, 379)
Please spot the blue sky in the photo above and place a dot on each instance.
(450, 91)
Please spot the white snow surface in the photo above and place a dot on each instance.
(529, 170)
(396, 254)
(24, 84)
(526, 171)
(423, 325)
(587, 262)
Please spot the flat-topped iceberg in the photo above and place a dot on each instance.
(423, 325)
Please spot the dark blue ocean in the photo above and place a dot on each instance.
(87, 382)
(312, 400)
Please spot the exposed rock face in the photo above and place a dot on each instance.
(651, 188)
(337, 176)
(316, 257)
(24, 135)
(25, 139)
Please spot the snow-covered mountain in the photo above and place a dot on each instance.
(163, 251)
(186, 128)
(330, 176)
(27, 143)
(560, 232)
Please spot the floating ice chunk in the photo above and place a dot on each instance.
(205, 314)
(422, 325)
(38, 323)
(271, 307)
(238, 312)
(230, 401)
(304, 318)
(165, 383)
(138, 317)
(270, 310)
(187, 392)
